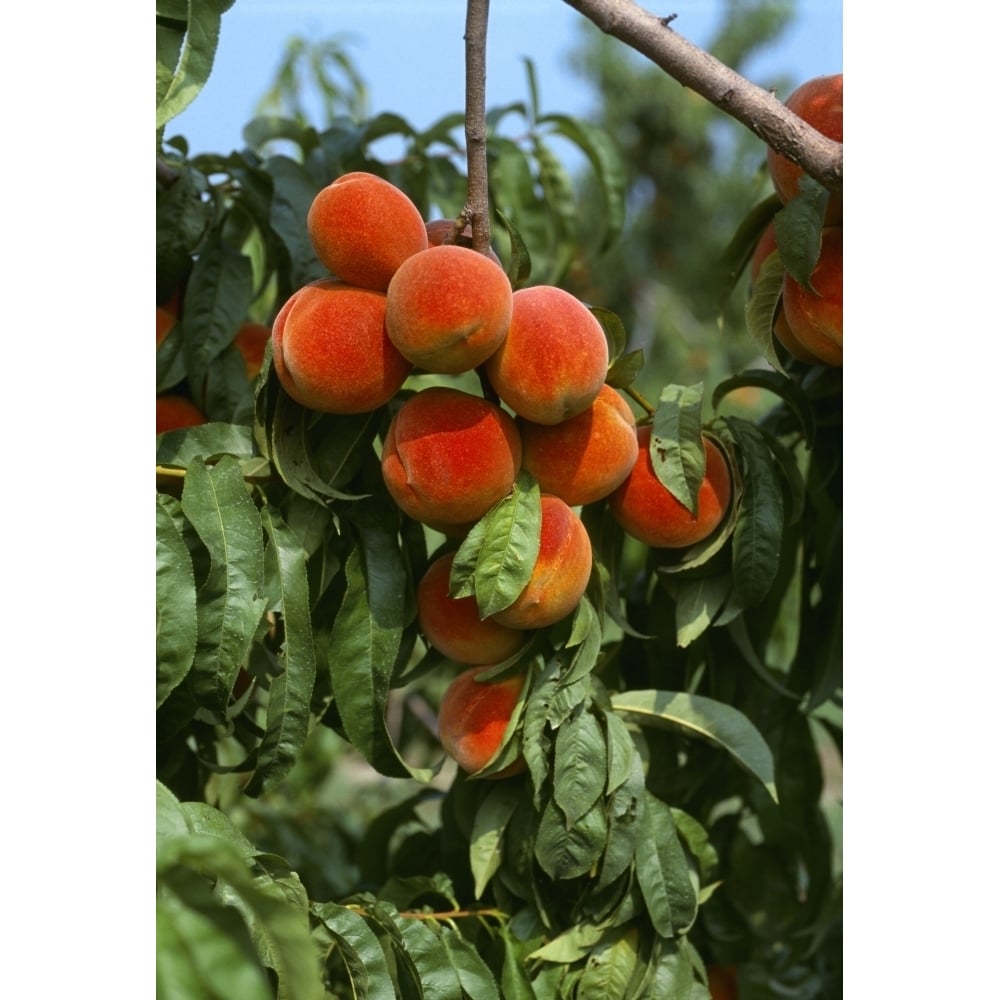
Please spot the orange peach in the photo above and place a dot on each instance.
(165, 322)
(331, 351)
(174, 412)
(439, 232)
(648, 511)
(452, 625)
(554, 358)
(582, 459)
(820, 103)
(362, 228)
(449, 456)
(250, 341)
(473, 717)
(448, 309)
(816, 317)
(561, 572)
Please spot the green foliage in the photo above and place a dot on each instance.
(681, 729)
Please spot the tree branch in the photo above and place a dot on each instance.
(756, 108)
(477, 206)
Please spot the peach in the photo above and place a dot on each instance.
(165, 322)
(816, 317)
(820, 103)
(439, 232)
(452, 625)
(473, 717)
(174, 412)
(561, 572)
(648, 511)
(449, 456)
(448, 309)
(554, 359)
(723, 983)
(582, 459)
(331, 351)
(362, 228)
(250, 341)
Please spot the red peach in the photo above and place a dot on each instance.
(449, 456)
(448, 309)
(648, 511)
(585, 458)
(362, 228)
(554, 358)
(561, 573)
(452, 625)
(816, 318)
(174, 412)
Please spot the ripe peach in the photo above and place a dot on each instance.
(331, 351)
(647, 510)
(816, 318)
(584, 458)
(768, 243)
(250, 341)
(362, 228)
(449, 456)
(473, 718)
(165, 322)
(820, 103)
(438, 231)
(561, 571)
(448, 309)
(553, 361)
(452, 624)
(174, 412)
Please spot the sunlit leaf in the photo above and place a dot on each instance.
(676, 448)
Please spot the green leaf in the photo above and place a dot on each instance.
(625, 369)
(625, 808)
(288, 715)
(614, 331)
(567, 850)
(519, 264)
(712, 720)
(363, 957)
(676, 448)
(486, 843)
(473, 973)
(294, 191)
(586, 636)
(176, 611)
(789, 390)
(698, 602)
(207, 441)
(366, 636)
(230, 601)
(425, 949)
(610, 966)
(496, 559)
(662, 870)
(762, 305)
(580, 765)
(571, 945)
(760, 521)
(188, 75)
(798, 230)
(609, 170)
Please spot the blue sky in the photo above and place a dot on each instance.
(412, 58)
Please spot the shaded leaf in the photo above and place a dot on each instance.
(360, 949)
(662, 871)
(581, 770)
(176, 613)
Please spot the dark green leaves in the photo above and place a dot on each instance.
(495, 561)
(705, 718)
(176, 624)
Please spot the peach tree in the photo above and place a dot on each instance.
(672, 821)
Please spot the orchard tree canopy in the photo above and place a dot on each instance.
(498, 531)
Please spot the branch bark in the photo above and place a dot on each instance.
(477, 206)
(758, 109)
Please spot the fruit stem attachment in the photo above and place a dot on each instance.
(640, 399)
(477, 205)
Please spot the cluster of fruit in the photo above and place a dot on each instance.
(175, 410)
(809, 321)
(404, 297)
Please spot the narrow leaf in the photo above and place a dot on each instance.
(580, 765)
(485, 846)
(712, 720)
(176, 613)
(676, 448)
(363, 956)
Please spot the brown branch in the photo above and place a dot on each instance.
(758, 109)
(477, 206)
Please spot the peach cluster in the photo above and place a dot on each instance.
(407, 295)
(809, 321)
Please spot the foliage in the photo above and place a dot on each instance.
(681, 728)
